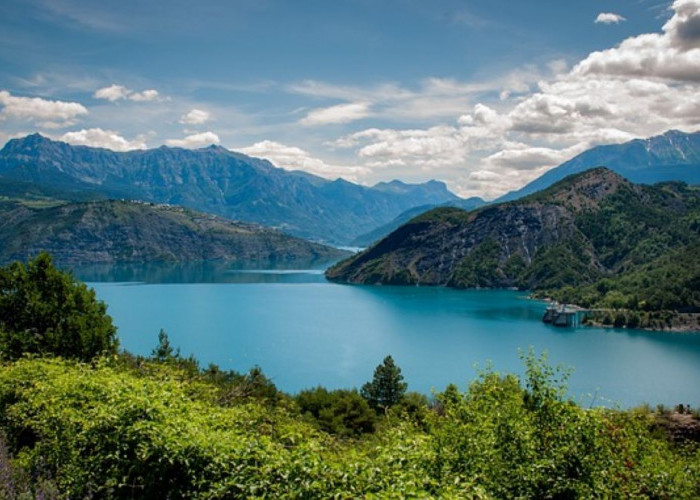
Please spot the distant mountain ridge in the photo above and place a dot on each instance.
(370, 237)
(136, 232)
(589, 226)
(673, 155)
(219, 181)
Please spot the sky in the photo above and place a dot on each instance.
(485, 95)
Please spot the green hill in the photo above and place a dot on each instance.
(588, 227)
(127, 231)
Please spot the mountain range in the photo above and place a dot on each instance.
(672, 156)
(218, 181)
(235, 186)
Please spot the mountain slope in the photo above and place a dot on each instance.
(218, 181)
(376, 234)
(586, 227)
(672, 156)
(121, 231)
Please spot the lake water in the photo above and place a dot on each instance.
(304, 331)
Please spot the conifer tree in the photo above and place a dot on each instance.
(386, 388)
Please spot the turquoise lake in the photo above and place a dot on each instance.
(304, 331)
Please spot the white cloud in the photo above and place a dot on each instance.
(146, 95)
(434, 147)
(116, 92)
(525, 157)
(195, 117)
(49, 114)
(98, 138)
(341, 113)
(434, 97)
(609, 18)
(112, 93)
(645, 86)
(294, 158)
(195, 140)
(684, 27)
(673, 54)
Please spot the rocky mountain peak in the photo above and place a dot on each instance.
(584, 190)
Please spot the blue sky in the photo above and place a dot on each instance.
(485, 95)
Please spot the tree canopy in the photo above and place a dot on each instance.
(386, 388)
(46, 311)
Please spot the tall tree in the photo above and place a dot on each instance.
(386, 388)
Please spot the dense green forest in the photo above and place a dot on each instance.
(81, 420)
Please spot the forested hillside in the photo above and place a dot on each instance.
(594, 230)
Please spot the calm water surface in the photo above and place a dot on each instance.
(304, 331)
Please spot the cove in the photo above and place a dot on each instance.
(304, 331)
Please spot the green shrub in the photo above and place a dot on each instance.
(341, 412)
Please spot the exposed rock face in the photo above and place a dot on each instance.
(119, 231)
(550, 239)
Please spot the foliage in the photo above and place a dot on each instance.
(340, 412)
(386, 388)
(112, 430)
(17, 483)
(46, 311)
(639, 297)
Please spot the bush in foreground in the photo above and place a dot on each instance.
(111, 431)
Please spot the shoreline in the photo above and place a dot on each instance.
(674, 322)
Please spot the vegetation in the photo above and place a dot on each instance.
(114, 430)
(593, 239)
(46, 311)
(341, 412)
(649, 296)
(108, 231)
(124, 426)
(387, 387)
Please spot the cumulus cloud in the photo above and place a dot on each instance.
(673, 54)
(98, 138)
(116, 92)
(609, 18)
(112, 93)
(294, 158)
(195, 117)
(646, 85)
(146, 95)
(521, 156)
(341, 113)
(195, 140)
(49, 114)
(684, 27)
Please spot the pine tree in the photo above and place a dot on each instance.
(386, 388)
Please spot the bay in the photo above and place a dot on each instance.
(304, 331)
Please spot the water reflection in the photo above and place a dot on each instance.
(300, 271)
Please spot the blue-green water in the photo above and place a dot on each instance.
(304, 331)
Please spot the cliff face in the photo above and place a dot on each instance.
(119, 231)
(564, 235)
